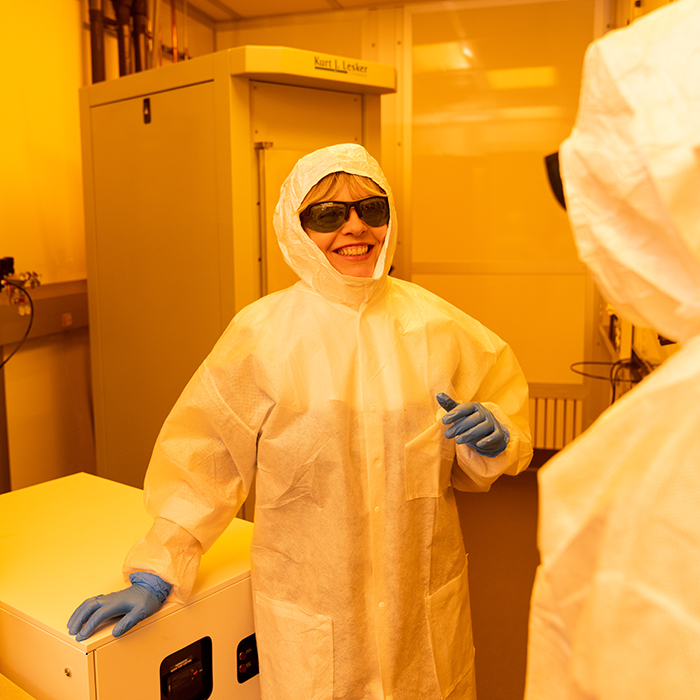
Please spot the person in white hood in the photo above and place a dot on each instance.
(615, 609)
(328, 393)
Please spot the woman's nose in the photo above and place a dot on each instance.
(354, 225)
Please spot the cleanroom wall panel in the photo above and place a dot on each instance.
(526, 310)
(494, 90)
(47, 390)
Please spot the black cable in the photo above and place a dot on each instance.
(614, 371)
(591, 376)
(613, 376)
(29, 326)
(633, 376)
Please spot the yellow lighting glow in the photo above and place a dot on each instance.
(458, 56)
(518, 78)
(437, 58)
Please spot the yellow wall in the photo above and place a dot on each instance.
(494, 90)
(50, 409)
(41, 68)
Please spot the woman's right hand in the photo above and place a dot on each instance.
(474, 425)
(145, 596)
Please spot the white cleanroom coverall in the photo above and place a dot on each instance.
(326, 391)
(616, 606)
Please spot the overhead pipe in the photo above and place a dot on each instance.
(139, 13)
(97, 41)
(122, 12)
(156, 43)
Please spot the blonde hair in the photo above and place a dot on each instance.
(328, 187)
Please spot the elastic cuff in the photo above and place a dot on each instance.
(155, 584)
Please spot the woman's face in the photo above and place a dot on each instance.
(354, 248)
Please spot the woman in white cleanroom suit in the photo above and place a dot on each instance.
(616, 605)
(328, 391)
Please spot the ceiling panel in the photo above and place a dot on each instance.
(223, 10)
(227, 10)
(215, 9)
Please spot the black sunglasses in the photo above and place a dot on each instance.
(325, 217)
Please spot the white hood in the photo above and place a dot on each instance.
(301, 253)
(631, 169)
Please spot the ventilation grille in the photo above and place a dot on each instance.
(556, 414)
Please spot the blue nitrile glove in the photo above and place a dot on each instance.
(475, 425)
(146, 595)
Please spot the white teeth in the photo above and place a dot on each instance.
(352, 250)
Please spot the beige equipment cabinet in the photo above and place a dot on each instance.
(182, 167)
(64, 541)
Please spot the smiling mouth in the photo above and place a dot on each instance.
(354, 251)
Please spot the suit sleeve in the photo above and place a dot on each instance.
(200, 472)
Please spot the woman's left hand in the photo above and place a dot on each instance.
(473, 424)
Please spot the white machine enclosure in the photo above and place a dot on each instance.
(182, 168)
(64, 541)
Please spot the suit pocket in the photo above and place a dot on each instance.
(428, 460)
(296, 651)
(450, 623)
